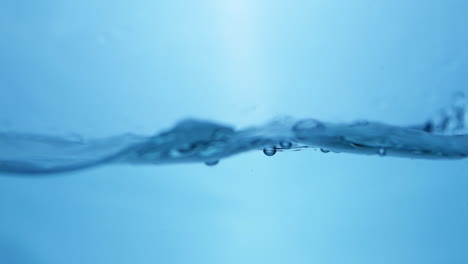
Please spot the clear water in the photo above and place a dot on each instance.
(155, 132)
(442, 137)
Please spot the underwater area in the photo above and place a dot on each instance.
(233, 131)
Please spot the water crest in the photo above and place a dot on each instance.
(444, 136)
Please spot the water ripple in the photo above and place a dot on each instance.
(442, 137)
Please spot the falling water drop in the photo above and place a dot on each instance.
(211, 162)
(270, 151)
(286, 145)
(382, 152)
(324, 150)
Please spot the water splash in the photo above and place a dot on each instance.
(442, 137)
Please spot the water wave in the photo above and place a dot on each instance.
(443, 137)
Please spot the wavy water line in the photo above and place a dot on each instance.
(442, 137)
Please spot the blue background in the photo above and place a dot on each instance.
(100, 67)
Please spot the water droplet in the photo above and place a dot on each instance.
(270, 151)
(324, 150)
(211, 162)
(286, 144)
(382, 152)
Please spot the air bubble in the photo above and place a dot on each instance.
(324, 150)
(308, 128)
(382, 152)
(308, 124)
(211, 162)
(270, 151)
(286, 144)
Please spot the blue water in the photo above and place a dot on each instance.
(441, 137)
(233, 131)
